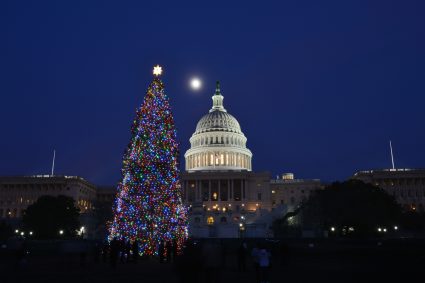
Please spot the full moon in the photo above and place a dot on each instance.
(195, 83)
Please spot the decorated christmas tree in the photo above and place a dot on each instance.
(148, 207)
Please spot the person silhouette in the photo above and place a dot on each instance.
(113, 252)
(242, 257)
(135, 250)
(264, 263)
(168, 251)
(161, 251)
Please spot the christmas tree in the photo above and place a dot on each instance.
(148, 207)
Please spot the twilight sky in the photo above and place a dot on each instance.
(319, 87)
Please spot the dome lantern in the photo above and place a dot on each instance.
(217, 99)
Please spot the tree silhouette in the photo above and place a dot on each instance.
(49, 214)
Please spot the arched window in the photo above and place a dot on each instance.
(227, 140)
(210, 220)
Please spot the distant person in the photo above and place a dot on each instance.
(135, 250)
(97, 251)
(174, 248)
(84, 249)
(127, 251)
(114, 252)
(161, 251)
(189, 262)
(122, 248)
(223, 253)
(21, 253)
(283, 253)
(211, 253)
(105, 251)
(168, 251)
(242, 251)
(254, 255)
(264, 264)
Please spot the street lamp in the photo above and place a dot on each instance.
(60, 232)
(81, 231)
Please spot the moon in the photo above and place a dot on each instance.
(195, 83)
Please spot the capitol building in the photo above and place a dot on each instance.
(218, 142)
(226, 198)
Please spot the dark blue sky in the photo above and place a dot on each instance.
(319, 87)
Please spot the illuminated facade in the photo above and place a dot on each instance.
(17, 193)
(406, 185)
(290, 192)
(218, 142)
(225, 197)
(227, 203)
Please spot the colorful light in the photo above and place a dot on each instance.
(148, 206)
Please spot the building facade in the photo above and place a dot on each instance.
(225, 197)
(290, 192)
(227, 203)
(17, 193)
(406, 185)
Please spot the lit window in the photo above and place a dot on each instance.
(210, 220)
(214, 196)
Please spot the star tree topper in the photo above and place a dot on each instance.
(157, 70)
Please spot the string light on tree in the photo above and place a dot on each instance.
(148, 207)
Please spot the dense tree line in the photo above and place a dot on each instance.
(350, 208)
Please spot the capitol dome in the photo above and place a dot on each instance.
(218, 121)
(218, 142)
